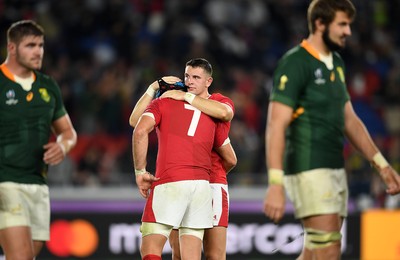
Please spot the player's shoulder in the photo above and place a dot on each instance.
(44, 78)
(295, 53)
(221, 98)
(337, 58)
(218, 97)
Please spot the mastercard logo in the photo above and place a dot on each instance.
(77, 238)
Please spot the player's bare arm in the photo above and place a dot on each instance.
(360, 138)
(209, 107)
(147, 97)
(228, 155)
(140, 143)
(55, 152)
(279, 117)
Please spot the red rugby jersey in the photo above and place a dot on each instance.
(218, 174)
(185, 140)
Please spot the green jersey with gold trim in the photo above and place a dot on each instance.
(25, 126)
(316, 90)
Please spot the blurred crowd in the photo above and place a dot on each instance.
(105, 53)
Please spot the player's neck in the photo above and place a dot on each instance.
(318, 44)
(15, 68)
(205, 94)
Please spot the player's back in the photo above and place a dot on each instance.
(185, 140)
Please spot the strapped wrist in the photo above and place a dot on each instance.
(189, 97)
(379, 162)
(65, 145)
(150, 91)
(140, 171)
(275, 176)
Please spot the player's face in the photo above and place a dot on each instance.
(336, 33)
(197, 81)
(29, 52)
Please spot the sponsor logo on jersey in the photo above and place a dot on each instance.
(29, 97)
(11, 98)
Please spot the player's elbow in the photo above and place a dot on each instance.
(132, 121)
(139, 132)
(231, 162)
(226, 115)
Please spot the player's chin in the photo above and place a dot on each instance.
(36, 66)
(342, 42)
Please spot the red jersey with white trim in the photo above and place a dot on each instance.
(218, 173)
(185, 140)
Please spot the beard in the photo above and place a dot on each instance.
(332, 46)
(28, 64)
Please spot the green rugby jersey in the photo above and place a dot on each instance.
(314, 138)
(25, 126)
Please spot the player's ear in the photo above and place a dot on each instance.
(319, 25)
(209, 81)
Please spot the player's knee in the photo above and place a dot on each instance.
(321, 239)
(215, 255)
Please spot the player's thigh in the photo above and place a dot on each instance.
(174, 243)
(182, 203)
(25, 205)
(199, 213)
(190, 247)
(16, 242)
(318, 192)
(214, 243)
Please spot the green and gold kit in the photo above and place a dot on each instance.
(315, 88)
(25, 126)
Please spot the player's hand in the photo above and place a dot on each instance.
(274, 202)
(53, 153)
(144, 182)
(174, 94)
(171, 79)
(168, 79)
(392, 180)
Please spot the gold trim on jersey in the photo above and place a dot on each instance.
(9, 74)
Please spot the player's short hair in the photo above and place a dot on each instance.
(201, 63)
(326, 11)
(21, 29)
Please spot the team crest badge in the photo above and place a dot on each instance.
(44, 94)
(341, 73)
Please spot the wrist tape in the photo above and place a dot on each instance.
(189, 97)
(65, 145)
(379, 161)
(275, 176)
(150, 91)
(140, 172)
